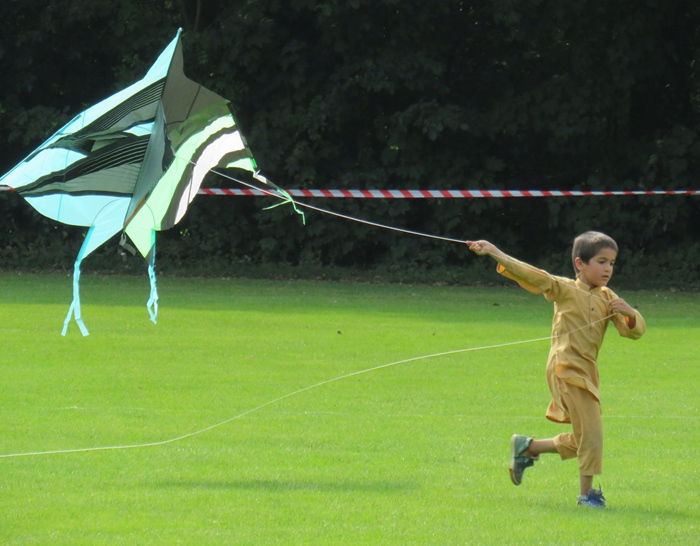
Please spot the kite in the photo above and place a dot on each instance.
(133, 163)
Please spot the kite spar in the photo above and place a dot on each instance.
(133, 163)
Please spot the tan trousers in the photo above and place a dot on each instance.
(586, 442)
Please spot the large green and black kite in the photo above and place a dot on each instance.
(133, 163)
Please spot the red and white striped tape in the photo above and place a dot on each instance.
(434, 194)
(442, 194)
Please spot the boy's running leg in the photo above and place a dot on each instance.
(518, 461)
(586, 484)
(537, 447)
(524, 452)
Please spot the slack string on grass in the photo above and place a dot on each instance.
(278, 399)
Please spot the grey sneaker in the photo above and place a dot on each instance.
(519, 462)
(594, 499)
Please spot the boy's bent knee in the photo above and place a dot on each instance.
(566, 446)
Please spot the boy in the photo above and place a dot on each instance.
(583, 308)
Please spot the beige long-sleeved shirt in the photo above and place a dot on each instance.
(581, 317)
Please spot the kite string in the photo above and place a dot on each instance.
(285, 197)
(274, 193)
(291, 394)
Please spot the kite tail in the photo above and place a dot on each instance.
(74, 309)
(152, 304)
(287, 198)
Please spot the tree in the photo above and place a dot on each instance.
(512, 94)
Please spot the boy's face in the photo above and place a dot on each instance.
(599, 269)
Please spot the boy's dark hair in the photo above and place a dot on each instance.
(588, 244)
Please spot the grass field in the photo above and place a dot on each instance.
(306, 450)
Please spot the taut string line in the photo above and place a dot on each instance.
(285, 197)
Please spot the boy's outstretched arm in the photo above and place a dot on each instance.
(530, 278)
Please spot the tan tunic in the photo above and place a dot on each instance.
(581, 317)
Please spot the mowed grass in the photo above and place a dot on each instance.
(312, 445)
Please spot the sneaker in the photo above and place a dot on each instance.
(518, 462)
(594, 499)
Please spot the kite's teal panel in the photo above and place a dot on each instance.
(81, 210)
(107, 223)
(162, 65)
(141, 129)
(51, 160)
(127, 109)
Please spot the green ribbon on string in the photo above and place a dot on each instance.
(288, 199)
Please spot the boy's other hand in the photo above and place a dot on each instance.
(621, 307)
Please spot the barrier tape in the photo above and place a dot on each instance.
(442, 194)
(434, 194)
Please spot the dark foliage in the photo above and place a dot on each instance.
(509, 94)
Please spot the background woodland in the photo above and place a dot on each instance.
(396, 94)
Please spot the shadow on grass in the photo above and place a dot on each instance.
(620, 511)
(275, 486)
(651, 514)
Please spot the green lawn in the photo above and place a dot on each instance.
(305, 449)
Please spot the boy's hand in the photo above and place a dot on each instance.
(621, 307)
(482, 248)
(625, 309)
